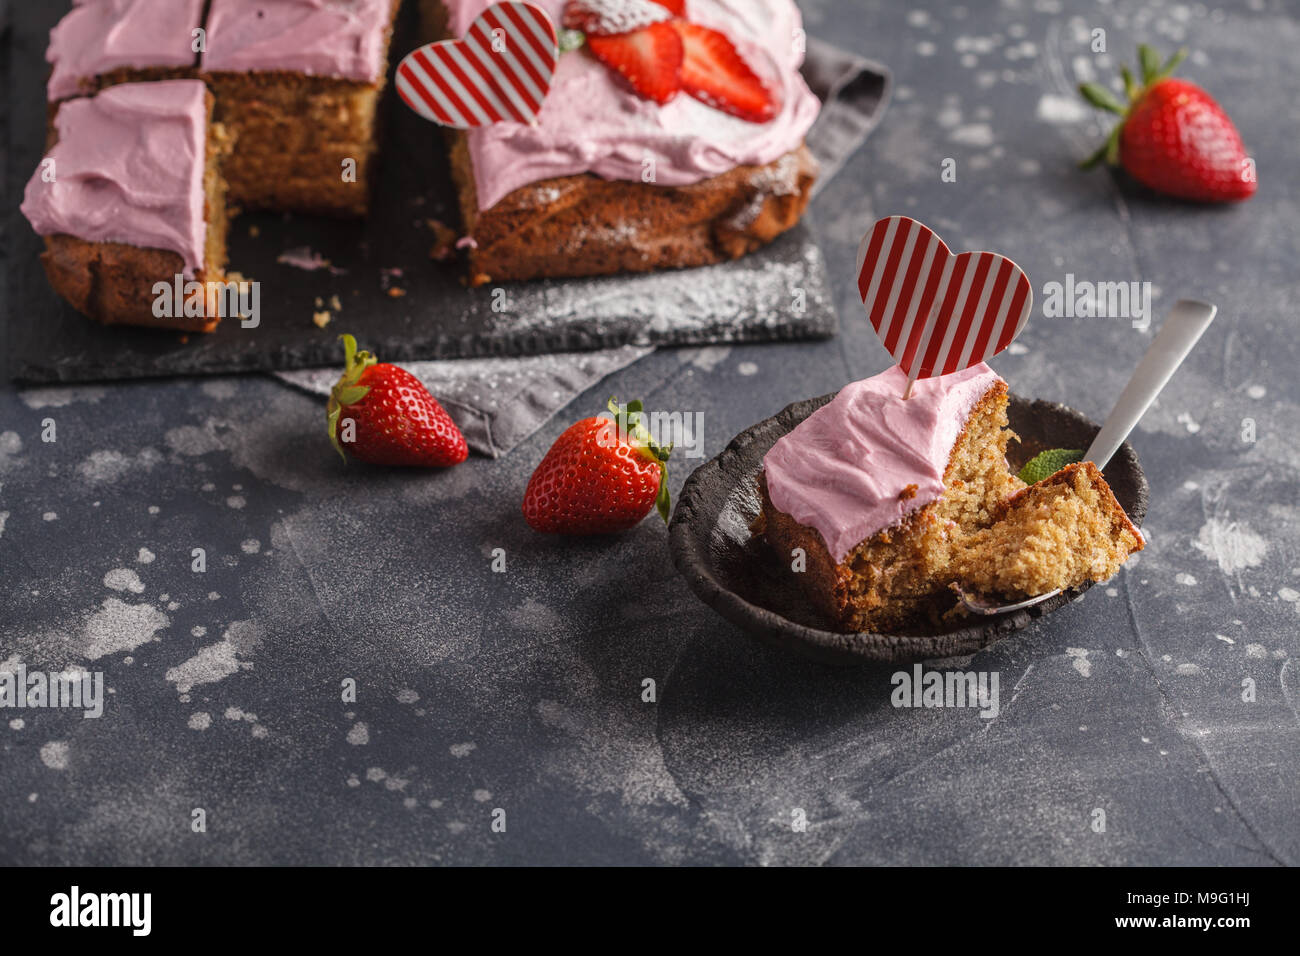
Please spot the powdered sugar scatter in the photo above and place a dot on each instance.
(605, 17)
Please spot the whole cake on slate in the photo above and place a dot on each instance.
(168, 114)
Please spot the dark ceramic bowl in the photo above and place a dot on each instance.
(737, 576)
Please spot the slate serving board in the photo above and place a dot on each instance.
(778, 293)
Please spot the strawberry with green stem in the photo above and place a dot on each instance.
(384, 415)
(602, 475)
(1173, 136)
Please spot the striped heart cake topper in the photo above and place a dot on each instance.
(937, 312)
(501, 70)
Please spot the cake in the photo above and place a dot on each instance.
(1065, 529)
(890, 501)
(129, 196)
(278, 109)
(568, 197)
(103, 42)
(298, 85)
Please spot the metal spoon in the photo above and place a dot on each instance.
(1184, 326)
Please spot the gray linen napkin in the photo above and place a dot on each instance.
(498, 402)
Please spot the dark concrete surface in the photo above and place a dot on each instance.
(522, 691)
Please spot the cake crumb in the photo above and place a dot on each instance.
(444, 240)
(908, 493)
(307, 259)
(254, 231)
(321, 319)
(396, 292)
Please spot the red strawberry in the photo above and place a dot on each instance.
(385, 415)
(604, 18)
(1174, 137)
(714, 73)
(602, 475)
(650, 59)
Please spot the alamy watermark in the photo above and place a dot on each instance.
(73, 689)
(189, 298)
(922, 688)
(684, 431)
(1084, 299)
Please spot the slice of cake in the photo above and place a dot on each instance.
(298, 85)
(102, 42)
(609, 181)
(875, 489)
(881, 503)
(1058, 533)
(129, 195)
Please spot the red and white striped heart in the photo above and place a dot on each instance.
(501, 70)
(936, 312)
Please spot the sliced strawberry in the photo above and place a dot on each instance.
(603, 18)
(714, 73)
(676, 7)
(650, 59)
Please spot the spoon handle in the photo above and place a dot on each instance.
(1181, 330)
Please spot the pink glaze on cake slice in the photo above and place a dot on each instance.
(846, 470)
(98, 36)
(128, 167)
(591, 123)
(343, 39)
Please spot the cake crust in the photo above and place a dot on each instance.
(587, 226)
(297, 135)
(1057, 533)
(583, 225)
(113, 282)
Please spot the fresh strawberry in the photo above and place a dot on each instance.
(385, 415)
(603, 18)
(714, 73)
(602, 475)
(1174, 137)
(650, 59)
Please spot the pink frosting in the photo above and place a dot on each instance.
(590, 122)
(128, 167)
(337, 38)
(97, 36)
(843, 468)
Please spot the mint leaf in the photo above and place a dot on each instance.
(1047, 463)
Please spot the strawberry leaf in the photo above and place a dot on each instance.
(1112, 145)
(571, 40)
(333, 420)
(1172, 64)
(351, 394)
(1149, 60)
(662, 504)
(1102, 98)
(1131, 89)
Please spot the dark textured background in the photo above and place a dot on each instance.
(522, 690)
